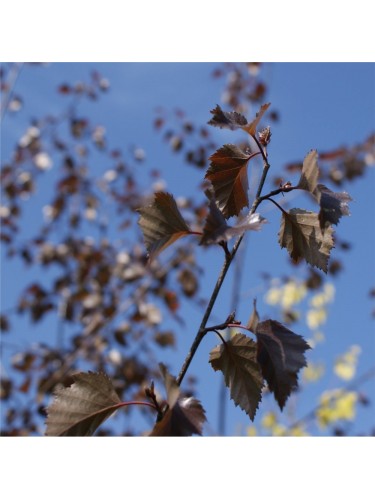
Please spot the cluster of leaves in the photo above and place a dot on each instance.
(245, 84)
(342, 165)
(92, 398)
(102, 293)
(183, 137)
(278, 354)
(275, 358)
(306, 235)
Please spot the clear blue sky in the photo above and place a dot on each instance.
(321, 106)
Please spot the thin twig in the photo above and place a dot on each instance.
(13, 75)
(220, 336)
(278, 206)
(236, 287)
(275, 192)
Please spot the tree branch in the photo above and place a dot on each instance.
(228, 261)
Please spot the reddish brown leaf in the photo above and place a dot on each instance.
(234, 120)
(161, 223)
(253, 322)
(78, 410)
(184, 416)
(165, 339)
(281, 356)
(4, 323)
(189, 282)
(228, 175)
(310, 172)
(236, 359)
(251, 128)
(301, 235)
(332, 205)
(64, 89)
(223, 119)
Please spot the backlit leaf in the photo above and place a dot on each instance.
(228, 175)
(253, 322)
(223, 119)
(233, 120)
(216, 228)
(185, 416)
(281, 356)
(78, 410)
(161, 223)
(310, 172)
(215, 225)
(301, 235)
(237, 359)
(332, 205)
(171, 386)
(251, 128)
(249, 222)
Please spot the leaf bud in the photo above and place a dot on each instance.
(231, 317)
(265, 136)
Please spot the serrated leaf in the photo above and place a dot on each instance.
(215, 225)
(171, 386)
(161, 223)
(332, 205)
(236, 359)
(310, 172)
(78, 410)
(301, 235)
(217, 230)
(228, 176)
(185, 416)
(281, 356)
(223, 119)
(251, 128)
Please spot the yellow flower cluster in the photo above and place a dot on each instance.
(336, 405)
(271, 425)
(312, 372)
(346, 365)
(317, 315)
(286, 295)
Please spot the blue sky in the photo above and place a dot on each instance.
(321, 105)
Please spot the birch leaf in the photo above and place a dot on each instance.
(236, 359)
(161, 223)
(301, 235)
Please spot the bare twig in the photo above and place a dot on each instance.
(7, 95)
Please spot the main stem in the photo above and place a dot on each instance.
(228, 260)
